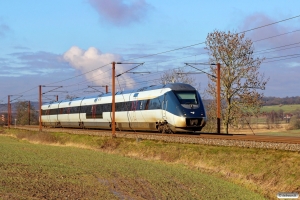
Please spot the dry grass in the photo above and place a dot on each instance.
(281, 130)
(265, 171)
(30, 171)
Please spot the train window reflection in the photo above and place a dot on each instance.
(187, 97)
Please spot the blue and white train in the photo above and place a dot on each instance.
(174, 107)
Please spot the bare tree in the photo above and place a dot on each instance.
(211, 109)
(240, 78)
(23, 115)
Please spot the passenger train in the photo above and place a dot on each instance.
(170, 108)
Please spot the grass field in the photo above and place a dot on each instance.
(279, 132)
(123, 169)
(35, 171)
(285, 108)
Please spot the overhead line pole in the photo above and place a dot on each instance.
(28, 112)
(113, 105)
(8, 111)
(40, 108)
(113, 101)
(218, 89)
(93, 87)
(40, 101)
(9, 115)
(218, 98)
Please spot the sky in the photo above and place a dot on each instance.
(71, 44)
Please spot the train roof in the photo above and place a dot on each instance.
(172, 86)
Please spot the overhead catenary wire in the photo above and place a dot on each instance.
(278, 35)
(278, 47)
(195, 44)
(176, 49)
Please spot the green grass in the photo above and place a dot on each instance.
(285, 108)
(35, 171)
(259, 170)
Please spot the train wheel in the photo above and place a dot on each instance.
(164, 128)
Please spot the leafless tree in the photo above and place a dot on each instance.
(23, 116)
(241, 81)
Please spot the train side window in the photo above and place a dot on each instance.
(147, 104)
(141, 105)
(94, 109)
(86, 109)
(75, 109)
(108, 107)
(155, 104)
(135, 105)
(120, 106)
(127, 106)
(99, 109)
(53, 112)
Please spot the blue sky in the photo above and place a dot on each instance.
(54, 42)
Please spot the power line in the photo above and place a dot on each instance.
(291, 55)
(176, 49)
(78, 75)
(268, 50)
(281, 59)
(270, 24)
(276, 35)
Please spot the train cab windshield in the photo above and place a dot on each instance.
(187, 97)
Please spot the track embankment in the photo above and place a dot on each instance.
(236, 140)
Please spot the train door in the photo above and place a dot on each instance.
(47, 112)
(81, 111)
(164, 107)
(132, 111)
(68, 114)
(134, 105)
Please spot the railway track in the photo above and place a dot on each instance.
(240, 140)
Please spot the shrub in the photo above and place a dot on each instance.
(294, 123)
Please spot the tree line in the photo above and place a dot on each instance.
(270, 101)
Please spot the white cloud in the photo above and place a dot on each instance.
(95, 65)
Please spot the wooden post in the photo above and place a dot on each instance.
(218, 99)
(113, 104)
(56, 97)
(40, 109)
(106, 89)
(28, 112)
(8, 111)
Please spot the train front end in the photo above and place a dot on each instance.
(190, 112)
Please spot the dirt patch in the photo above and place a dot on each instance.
(110, 144)
(130, 189)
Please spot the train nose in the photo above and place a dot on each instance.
(193, 121)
